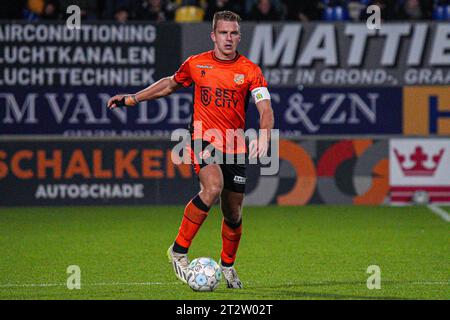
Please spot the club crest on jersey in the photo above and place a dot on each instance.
(239, 78)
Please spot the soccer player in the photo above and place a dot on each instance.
(223, 81)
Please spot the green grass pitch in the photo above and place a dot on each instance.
(312, 252)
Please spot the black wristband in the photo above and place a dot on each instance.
(120, 103)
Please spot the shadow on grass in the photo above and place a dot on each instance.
(297, 291)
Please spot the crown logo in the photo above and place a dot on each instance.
(419, 158)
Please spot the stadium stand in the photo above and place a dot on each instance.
(251, 10)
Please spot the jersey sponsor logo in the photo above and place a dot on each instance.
(239, 78)
(223, 98)
(239, 180)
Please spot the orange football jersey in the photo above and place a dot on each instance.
(222, 90)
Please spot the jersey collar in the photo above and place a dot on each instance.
(225, 61)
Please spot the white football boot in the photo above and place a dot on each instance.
(180, 263)
(230, 275)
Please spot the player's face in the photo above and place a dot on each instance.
(226, 37)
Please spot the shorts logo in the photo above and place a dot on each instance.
(239, 78)
(239, 180)
(205, 93)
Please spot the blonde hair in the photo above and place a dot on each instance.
(225, 15)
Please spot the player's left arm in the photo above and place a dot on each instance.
(266, 119)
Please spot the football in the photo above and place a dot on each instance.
(203, 274)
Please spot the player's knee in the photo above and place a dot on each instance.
(211, 192)
(214, 190)
(232, 216)
(233, 223)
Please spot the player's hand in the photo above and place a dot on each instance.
(253, 148)
(263, 143)
(260, 146)
(122, 100)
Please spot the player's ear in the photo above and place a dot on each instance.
(213, 36)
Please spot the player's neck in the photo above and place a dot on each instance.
(219, 55)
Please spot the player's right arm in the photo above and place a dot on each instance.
(159, 89)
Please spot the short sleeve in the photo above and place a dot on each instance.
(257, 79)
(183, 74)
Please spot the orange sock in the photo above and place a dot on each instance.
(194, 215)
(231, 235)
